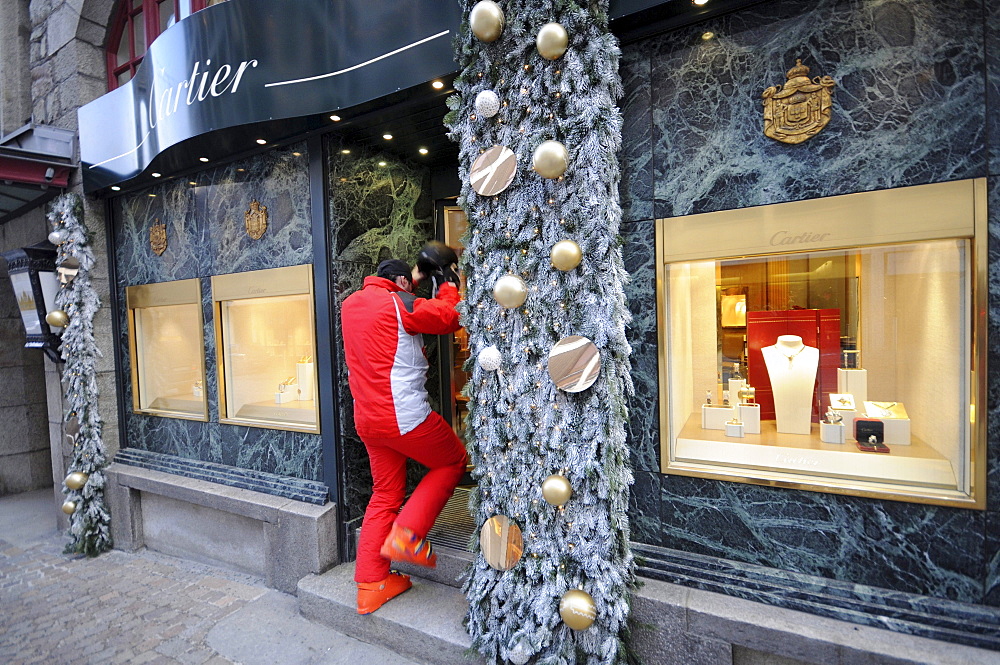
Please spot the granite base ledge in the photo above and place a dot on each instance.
(278, 539)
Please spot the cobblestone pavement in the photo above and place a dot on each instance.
(148, 608)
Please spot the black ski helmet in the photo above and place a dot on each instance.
(434, 256)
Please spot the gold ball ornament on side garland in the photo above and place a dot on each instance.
(69, 507)
(556, 490)
(57, 318)
(486, 20)
(552, 41)
(510, 291)
(566, 255)
(577, 609)
(76, 480)
(550, 159)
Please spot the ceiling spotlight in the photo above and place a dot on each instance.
(203, 159)
(345, 151)
(387, 137)
(707, 35)
(381, 163)
(437, 85)
(262, 141)
(335, 118)
(155, 174)
(699, 3)
(423, 151)
(115, 188)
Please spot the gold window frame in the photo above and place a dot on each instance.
(940, 211)
(273, 282)
(162, 294)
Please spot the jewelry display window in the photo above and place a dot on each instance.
(265, 333)
(166, 349)
(832, 344)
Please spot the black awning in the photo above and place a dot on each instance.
(35, 165)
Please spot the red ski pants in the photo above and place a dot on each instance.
(432, 443)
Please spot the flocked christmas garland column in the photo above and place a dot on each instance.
(538, 128)
(76, 305)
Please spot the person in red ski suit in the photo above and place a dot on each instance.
(382, 326)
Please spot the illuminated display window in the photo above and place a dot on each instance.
(265, 333)
(832, 344)
(166, 348)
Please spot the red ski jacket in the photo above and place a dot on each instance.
(386, 365)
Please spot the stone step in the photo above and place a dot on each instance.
(424, 624)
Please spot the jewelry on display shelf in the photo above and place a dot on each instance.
(842, 401)
(725, 398)
(747, 394)
(885, 409)
(708, 397)
(791, 357)
(734, 427)
(833, 417)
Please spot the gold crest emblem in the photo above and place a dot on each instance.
(256, 220)
(158, 238)
(799, 110)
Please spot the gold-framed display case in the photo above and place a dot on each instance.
(833, 344)
(167, 350)
(265, 332)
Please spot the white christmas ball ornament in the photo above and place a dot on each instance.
(490, 359)
(487, 103)
(58, 237)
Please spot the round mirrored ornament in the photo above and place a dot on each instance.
(552, 41)
(501, 542)
(493, 171)
(566, 255)
(58, 237)
(490, 359)
(69, 507)
(577, 609)
(510, 291)
(550, 159)
(574, 363)
(57, 318)
(487, 103)
(486, 20)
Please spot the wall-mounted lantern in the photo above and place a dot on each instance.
(32, 273)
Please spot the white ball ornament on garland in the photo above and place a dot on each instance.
(487, 103)
(550, 159)
(490, 359)
(58, 237)
(510, 291)
(577, 609)
(566, 255)
(552, 41)
(486, 20)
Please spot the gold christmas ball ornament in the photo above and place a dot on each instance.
(76, 480)
(486, 20)
(566, 255)
(69, 507)
(510, 291)
(550, 159)
(552, 41)
(556, 490)
(577, 609)
(57, 318)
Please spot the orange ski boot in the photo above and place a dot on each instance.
(404, 545)
(373, 595)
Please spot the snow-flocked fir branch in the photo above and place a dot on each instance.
(90, 522)
(520, 427)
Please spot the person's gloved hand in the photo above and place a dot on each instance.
(451, 275)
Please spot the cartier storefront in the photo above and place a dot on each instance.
(814, 422)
